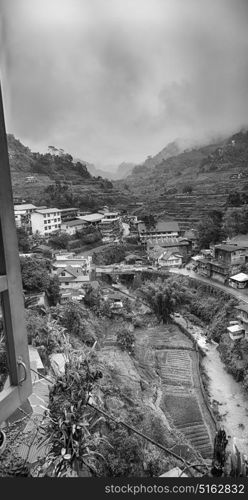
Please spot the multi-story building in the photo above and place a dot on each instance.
(23, 215)
(68, 214)
(110, 226)
(75, 261)
(46, 221)
(222, 262)
(229, 254)
(158, 232)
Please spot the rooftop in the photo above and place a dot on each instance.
(92, 217)
(26, 206)
(241, 277)
(68, 209)
(75, 222)
(47, 210)
(229, 248)
(160, 226)
(235, 329)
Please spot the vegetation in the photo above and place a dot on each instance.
(209, 230)
(36, 278)
(235, 221)
(109, 255)
(59, 241)
(162, 296)
(23, 240)
(235, 357)
(125, 339)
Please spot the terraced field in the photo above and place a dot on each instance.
(163, 354)
(181, 397)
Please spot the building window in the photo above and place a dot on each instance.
(49, 227)
(49, 221)
(12, 305)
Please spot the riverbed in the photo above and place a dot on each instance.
(225, 393)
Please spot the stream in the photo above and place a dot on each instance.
(225, 393)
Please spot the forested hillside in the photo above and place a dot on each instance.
(58, 179)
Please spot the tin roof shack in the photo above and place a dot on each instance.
(236, 332)
(239, 280)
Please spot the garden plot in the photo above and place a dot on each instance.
(162, 337)
(175, 367)
(180, 397)
(187, 417)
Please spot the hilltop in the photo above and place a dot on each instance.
(58, 168)
(186, 185)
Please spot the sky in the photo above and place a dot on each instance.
(116, 80)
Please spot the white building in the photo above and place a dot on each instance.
(23, 213)
(46, 221)
(74, 261)
(236, 332)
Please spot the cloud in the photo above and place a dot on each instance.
(114, 80)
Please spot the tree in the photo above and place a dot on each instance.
(53, 290)
(163, 297)
(209, 229)
(59, 240)
(235, 221)
(125, 339)
(73, 317)
(35, 276)
(23, 240)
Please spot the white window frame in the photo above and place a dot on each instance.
(11, 292)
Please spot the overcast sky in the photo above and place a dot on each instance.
(116, 80)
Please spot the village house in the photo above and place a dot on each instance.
(179, 245)
(164, 257)
(230, 255)
(220, 261)
(72, 226)
(235, 331)
(239, 280)
(64, 260)
(158, 232)
(46, 221)
(191, 235)
(73, 278)
(242, 241)
(110, 226)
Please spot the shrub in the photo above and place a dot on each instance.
(125, 339)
